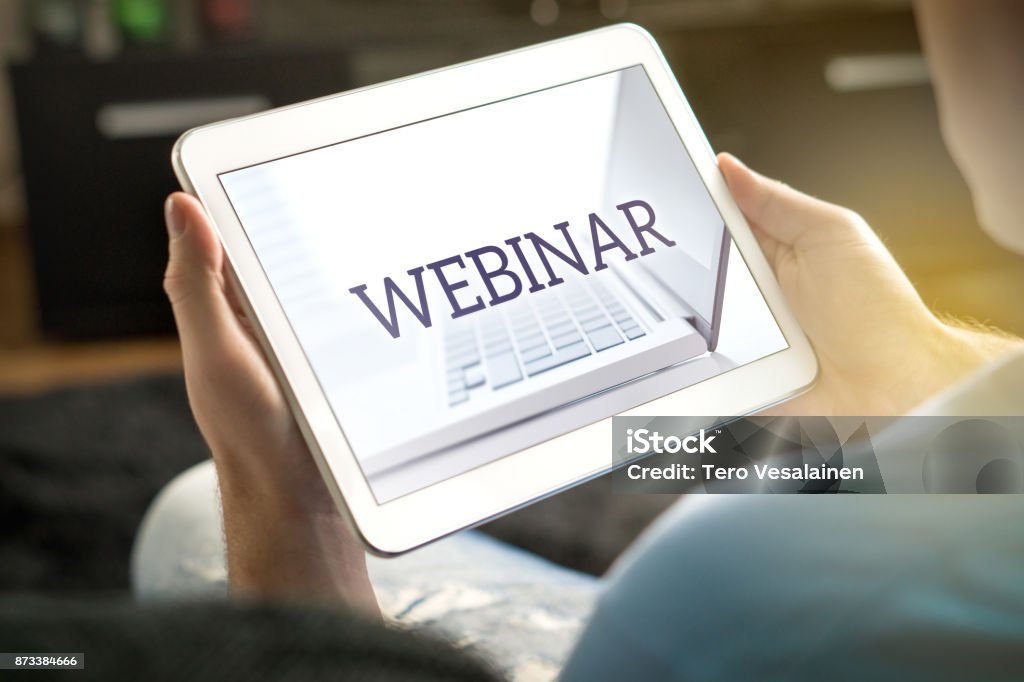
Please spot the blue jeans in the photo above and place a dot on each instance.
(719, 588)
(518, 611)
(787, 587)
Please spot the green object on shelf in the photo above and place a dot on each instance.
(142, 21)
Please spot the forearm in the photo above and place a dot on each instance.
(974, 345)
(955, 351)
(277, 550)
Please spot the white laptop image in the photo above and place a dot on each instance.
(592, 333)
(545, 249)
(542, 351)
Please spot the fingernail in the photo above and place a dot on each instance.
(172, 216)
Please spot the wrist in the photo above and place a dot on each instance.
(284, 477)
(962, 348)
(280, 547)
(317, 561)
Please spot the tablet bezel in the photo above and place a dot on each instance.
(202, 154)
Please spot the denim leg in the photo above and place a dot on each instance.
(816, 587)
(519, 611)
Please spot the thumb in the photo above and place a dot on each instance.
(783, 213)
(193, 280)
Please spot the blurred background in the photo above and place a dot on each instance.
(831, 96)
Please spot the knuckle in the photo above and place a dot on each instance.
(184, 283)
(176, 285)
(851, 217)
(845, 221)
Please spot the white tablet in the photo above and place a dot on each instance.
(461, 276)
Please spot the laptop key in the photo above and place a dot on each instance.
(530, 340)
(474, 376)
(589, 312)
(561, 357)
(561, 327)
(457, 397)
(502, 370)
(458, 348)
(526, 329)
(591, 326)
(530, 354)
(634, 332)
(621, 316)
(604, 338)
(567, 339)
(456, 380)
(467, 358)
(498, 347)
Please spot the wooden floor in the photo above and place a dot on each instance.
(39, 366)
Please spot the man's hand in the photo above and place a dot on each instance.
(285, 538)
(881, 351)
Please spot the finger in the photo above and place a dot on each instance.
(193, 279)
(782, 212)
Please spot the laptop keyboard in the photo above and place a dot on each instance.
(510, 344)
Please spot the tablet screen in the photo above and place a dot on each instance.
(468, 285)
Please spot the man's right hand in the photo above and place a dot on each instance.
(881, 350)
(285, 537)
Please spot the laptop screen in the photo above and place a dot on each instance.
(467, 286)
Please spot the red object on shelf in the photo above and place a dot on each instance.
(231, 20)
